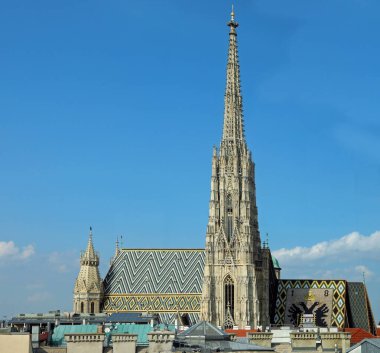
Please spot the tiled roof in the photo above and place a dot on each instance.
(360, 313)
(240, 332)
(358, 334)
(156, 271)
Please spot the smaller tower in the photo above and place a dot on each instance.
(117, 252)
(88, 289)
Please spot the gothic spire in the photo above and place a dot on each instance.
(88, 289)
(233, 128)
(117, 249)
(89, 256)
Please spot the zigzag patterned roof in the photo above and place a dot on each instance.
(156, 271)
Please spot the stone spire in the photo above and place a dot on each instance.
(233, 127)
(89, 257)
(88, 289)
(117, 249)
(235, 284)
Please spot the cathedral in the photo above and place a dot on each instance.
(234, 282)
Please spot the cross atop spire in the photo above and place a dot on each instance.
(233, 128)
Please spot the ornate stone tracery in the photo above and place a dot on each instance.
(237, 247)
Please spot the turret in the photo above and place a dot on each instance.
(88, 289)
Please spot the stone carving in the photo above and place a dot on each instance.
(233, 201)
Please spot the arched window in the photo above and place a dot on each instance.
(82, 307)
(92, 307)
(229, 302)
(229, 225)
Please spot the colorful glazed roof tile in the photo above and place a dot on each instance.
(156, 271)
(360, 308)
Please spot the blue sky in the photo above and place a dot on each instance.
(108, 115)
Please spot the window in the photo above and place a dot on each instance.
(82, 307)
(230, 224)
(229, 302)
(92, 307)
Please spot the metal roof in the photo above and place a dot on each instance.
(372, 345)
(129, 318)
(58, 337)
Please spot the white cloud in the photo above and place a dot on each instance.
(353, 245)
(346, 258)
(9, 251)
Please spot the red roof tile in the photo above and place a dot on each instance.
(240, 332)
(358, 334)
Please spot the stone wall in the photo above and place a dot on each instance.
(48, 349)
(124, 343)
(84, 342)
(160, 341)
(302, 341)
(15, 342)
(341, 339)
(263, 339)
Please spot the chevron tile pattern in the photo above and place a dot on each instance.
(164, 281)
(170, 303)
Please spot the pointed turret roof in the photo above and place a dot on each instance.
(88, 279)
(233, 127)
(89, 256)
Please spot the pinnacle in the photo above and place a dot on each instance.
(233, 129)
(89, 254)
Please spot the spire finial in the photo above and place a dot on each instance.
(117, 247)
(232, 24)
(90, 235)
